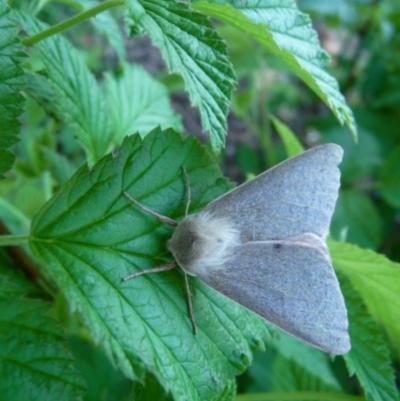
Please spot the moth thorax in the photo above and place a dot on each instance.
(202, 242)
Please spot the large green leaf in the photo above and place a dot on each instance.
(377, 279)
(138, 103)
(284, 30)
(77, 97)
(369, 356)
(12, 81)
(191, 47)
(34, 361)
(89, 236)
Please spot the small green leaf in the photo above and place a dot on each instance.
(307, 358)
(35, 364)
(292, 145)
(138, 103)
(60, 166)
(192, 48)
(150, 389)
(288, 33)
(369, 356)
(40, 88)
(301, 355)
(289, 376)
(89, 236)
(104, 381)
(77, 98)
(12, 81)
(377, 279)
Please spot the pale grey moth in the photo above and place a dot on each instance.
(263, 246)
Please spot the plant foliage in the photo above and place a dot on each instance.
(81, 122)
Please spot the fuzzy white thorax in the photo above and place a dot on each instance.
(202, 242)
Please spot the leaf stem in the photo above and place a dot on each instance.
(12, 240)
(77, 19)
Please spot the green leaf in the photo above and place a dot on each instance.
(104, 382)
(12, 81)
(31, 7)
(77, 98)
(389, 174)
(138, 103)
(350, 219)
(285, 31)
(13, 282)
(89, 236)
(106, 24)
(301, 356)
(369, 356)
(360, 159)
(192, 48)
(292, 145)
(288, 376)
(247, 159)
(347, 12)
(60, 166)
(40, 89)
(150, 389)
(377, 279)
(35, 364)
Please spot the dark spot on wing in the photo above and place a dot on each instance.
(277, 246)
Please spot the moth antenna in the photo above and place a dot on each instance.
(187, 185)
(164, 219)
(189, 303)
(162, 268)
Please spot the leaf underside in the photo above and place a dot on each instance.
(192, 48)
(288, 33)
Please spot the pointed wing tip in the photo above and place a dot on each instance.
(332, 150)
(338, 342)
(342, 347)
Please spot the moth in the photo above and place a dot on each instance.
(263, 246)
